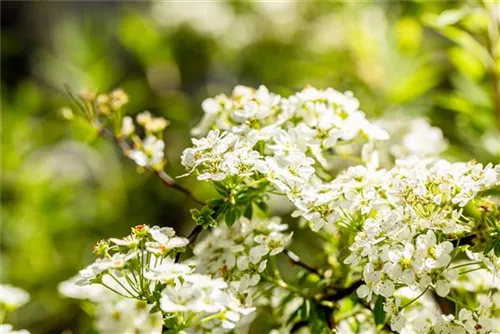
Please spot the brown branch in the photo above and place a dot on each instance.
(192, 240)
(295, 260)
(342, 293)
(330, 319)
(167, 180)
(170, 183)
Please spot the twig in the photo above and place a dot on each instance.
(345, 292)
(170, 183)
(167, 180)
(295, 260)
(192, 240)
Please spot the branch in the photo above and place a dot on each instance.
(170, 183)
(167, 180)
(295, 260)
(192, 240)
(345, 292)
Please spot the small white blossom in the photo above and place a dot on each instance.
(12, 297)
(150, 153)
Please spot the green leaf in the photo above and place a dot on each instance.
(491, 192)
(466, 63)
(295, 315)
(414, 84)
(248, 211)
(232, 214)
(488, 247)
(195, 213)
(220, 188)
(318, 320)
(305, 310)
(154, 309)
(452, 16)
(378, 311)
(262, 206)
(462, 38)
(496, 248)
(203, 217)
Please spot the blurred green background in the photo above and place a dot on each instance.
(62, 190)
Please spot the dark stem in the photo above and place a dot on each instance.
(330, 319)
(342, 293)
(167, 180)
(192, 240)
(170, 183)
(295, 260)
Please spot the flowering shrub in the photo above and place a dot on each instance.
(413, 239)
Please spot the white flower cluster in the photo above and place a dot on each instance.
(403, 226)
(412, 137)
(485, 286)
(149, 151)
(423, 316)
(407, 217)
(141, 266)
(200, 296)
(255, 131)
(114, 313)
(104, 113)
(425, 307)
(239, 253)
(467, 322)
(121, 256)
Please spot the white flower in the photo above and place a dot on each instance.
(164, 240)
(93, 292)
(116, 261)
(376, 283)
(402, 264)
(392, 309)
(431, 254)
(144, 118)
(168, 271)
(198, 293)
(118, 98)
(128, 316)
(129, 241)
(127, 126)
(12, 298)
(443, 284)
(414, 137)
(150, 153)
(239, 253)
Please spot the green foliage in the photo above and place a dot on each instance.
(203, 217)
(378, 311)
